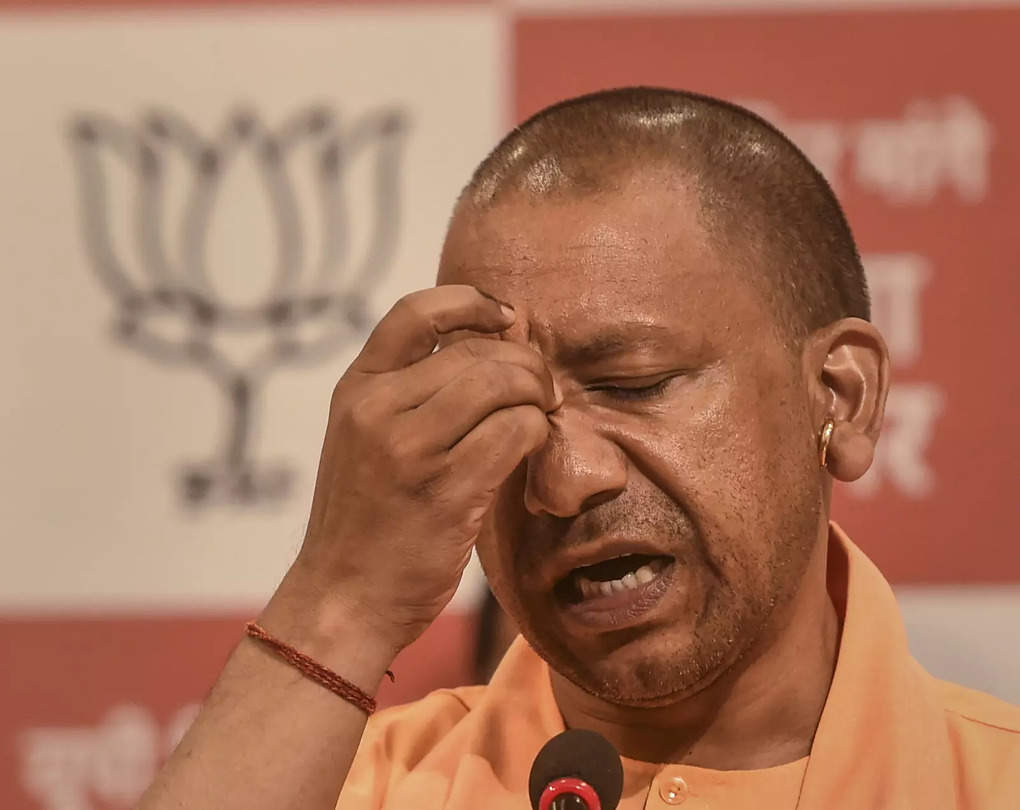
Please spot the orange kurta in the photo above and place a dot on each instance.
(891, 736)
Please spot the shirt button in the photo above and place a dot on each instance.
(673, 791)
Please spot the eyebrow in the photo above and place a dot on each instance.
(619, 339)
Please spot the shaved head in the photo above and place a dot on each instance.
(762, 202)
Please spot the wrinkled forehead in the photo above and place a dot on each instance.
(635, 255)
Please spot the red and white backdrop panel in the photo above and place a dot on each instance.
(205, 205)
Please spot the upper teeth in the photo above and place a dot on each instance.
(628, 582)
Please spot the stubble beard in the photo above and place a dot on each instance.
(730, 633)
(679, 669)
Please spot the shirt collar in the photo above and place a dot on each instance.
(881, 740)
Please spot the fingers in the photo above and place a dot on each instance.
(466, 401)
(411, 329)
(498, 444)
(415, 384)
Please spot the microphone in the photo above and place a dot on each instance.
(576, 770)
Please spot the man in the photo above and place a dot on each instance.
(654, 358)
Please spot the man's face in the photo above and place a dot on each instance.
(644, 548)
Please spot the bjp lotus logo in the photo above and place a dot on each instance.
(240, 253)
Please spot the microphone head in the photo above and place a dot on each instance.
(581, 754)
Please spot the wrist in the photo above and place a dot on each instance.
(330, 627)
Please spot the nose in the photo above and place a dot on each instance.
(576, 469)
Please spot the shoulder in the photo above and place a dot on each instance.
(981, 709)
(469, 733)
(985, 735)
(397, 739)
(421, 722)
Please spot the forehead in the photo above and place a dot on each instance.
(635, 254)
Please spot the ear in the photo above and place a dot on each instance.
(847, 368)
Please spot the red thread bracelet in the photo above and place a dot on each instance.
(315, 671)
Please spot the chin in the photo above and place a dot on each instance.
(648, 672)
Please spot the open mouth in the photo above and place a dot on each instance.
(613, 580)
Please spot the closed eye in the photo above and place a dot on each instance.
(635, 392)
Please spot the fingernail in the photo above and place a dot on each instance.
(557, 394)
(508, 311)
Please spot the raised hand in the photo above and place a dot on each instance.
(418, 441)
